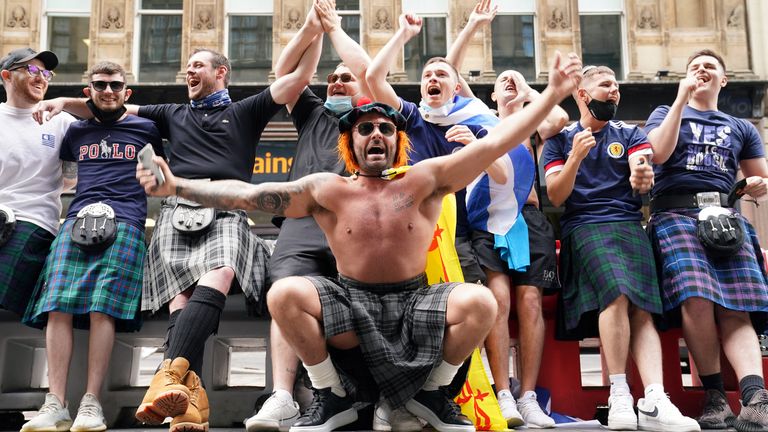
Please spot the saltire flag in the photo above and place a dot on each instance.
(491, 206)
(477, 400)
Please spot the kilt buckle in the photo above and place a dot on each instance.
(708, 199)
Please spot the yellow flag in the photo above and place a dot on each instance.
(477, 400)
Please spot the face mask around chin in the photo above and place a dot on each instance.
(602, 110)
(442, 110)
(339, 104)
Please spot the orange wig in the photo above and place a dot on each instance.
(347, 155)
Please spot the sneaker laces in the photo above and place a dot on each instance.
(89, 409)
(713, 406)
(50, 406)
(317, 403)
(622, 403)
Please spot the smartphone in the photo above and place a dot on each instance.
(145, 157)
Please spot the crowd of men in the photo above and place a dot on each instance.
(373, 168)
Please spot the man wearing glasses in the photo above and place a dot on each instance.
(412, 334)
(30, 175)
(301, 248)
(98, 287)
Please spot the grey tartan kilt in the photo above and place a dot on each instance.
(176, 261)
(400, 327)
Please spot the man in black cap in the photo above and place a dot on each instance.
(379, 226)
(30, 175)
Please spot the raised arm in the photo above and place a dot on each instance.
(290, 199)
(292, 53)
(286, 89)
(664, 138)
(351, 53)
(457, 170)
(381, 90)
(481, 16)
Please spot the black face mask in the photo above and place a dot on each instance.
(602, 111)
(105, 117)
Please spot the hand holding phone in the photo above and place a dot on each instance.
(145, 157)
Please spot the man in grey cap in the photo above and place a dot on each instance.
(30, 175)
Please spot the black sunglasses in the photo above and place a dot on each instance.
(100, 86)
(34, 71)
(366, 128)
(345, 77)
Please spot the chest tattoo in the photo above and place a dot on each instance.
(401, 201)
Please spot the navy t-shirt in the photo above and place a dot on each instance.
(601, 192)
(709, 147)
(213, 143)
(428, 141)
(106, 165)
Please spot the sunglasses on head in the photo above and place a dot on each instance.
(345, 77)
(34, 71)
(366, 128)
(100, 86)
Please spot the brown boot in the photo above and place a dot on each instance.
(166, 396)
(196, 417)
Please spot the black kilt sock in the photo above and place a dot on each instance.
(198, 320)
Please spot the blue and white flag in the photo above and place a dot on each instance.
(491, 206)
(494, 207)
(464, 111)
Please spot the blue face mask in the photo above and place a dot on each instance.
(339, 104)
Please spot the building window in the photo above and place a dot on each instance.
(430, 42)
(159, 49)
(250, 47)
(349, 11)
(602, 39)
(66, 33)
(513, 44)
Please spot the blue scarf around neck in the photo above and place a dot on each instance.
(213, 100)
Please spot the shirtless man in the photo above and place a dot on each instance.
(414, 336)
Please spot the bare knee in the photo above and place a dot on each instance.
(474, 302)
(288, 293)
(503, 299)
(528, 302)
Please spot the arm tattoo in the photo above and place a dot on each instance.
(272, 201)
(69, 170)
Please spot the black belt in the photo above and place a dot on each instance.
(696, 200)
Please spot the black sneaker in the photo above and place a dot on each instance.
(440, 411)
(326, 413)
(717, 413)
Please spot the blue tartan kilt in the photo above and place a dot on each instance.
(685, 269)
(78, 282)
(21, 260)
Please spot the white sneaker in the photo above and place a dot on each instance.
(400, 420)
(662, 415)
(90, 417)
(277, 414)
(621, 414)
(509, 410)
(534, 416)
(53, 416)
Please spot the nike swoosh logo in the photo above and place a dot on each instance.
(653, 413)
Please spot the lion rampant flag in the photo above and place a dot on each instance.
(477, 400)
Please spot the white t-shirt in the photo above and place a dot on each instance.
(30, 168)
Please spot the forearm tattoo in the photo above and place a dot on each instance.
(69, 170)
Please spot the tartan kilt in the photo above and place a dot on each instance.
(685, 269)
(176, 261)
(600, 262)
(400, 327)
(78, 282)
(21, 260)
